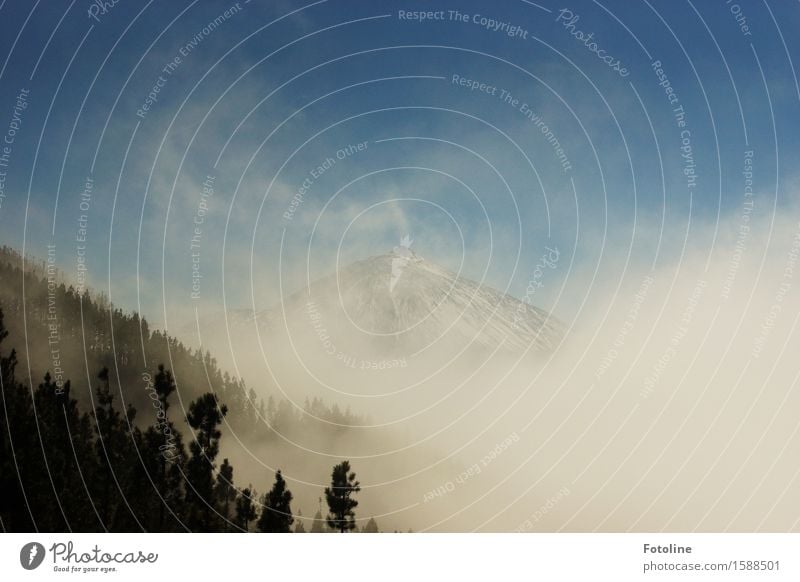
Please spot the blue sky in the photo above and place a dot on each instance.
(277, 88)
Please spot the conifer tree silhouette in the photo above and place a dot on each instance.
(245, 508)
(318, 523)
(299, 527)
(164, 459)
(16, 442)
(205, 415)
(225, 491)
(276, 515)
(340, 498)
(112, 447)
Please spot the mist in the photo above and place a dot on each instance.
(665, 404)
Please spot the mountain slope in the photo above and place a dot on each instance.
(399, 301)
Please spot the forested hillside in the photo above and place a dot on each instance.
(92, 438)
(73, 335)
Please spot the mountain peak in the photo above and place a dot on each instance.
(399, 300)
(404, 250)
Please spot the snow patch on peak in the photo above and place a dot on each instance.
(400, 302)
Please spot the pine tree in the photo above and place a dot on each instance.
(245, 508)
(65, 439)
(112, 451)
(298, 526)
(318, 524)
(137, 486)
(205, 415)
(17, 431)
(371, 526)
(163, 457)
(340, 498)
(225, 491)
(276, 515)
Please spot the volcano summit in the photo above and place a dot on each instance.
(400, 302)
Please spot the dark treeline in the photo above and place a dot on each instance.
(63, 469)
(76, 456)
(56, 324)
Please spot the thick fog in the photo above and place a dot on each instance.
(665, 404)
